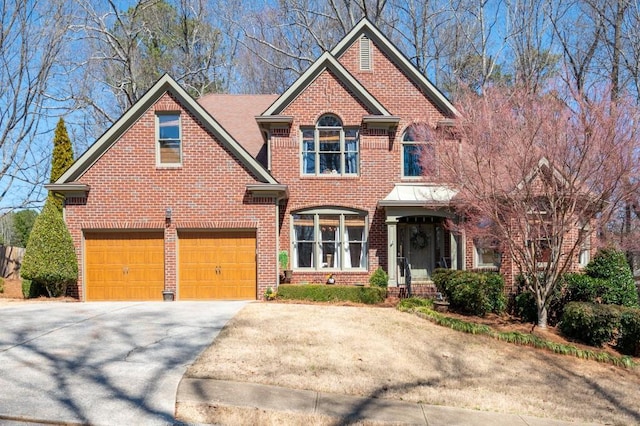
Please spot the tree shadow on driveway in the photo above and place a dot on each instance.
(119, 365)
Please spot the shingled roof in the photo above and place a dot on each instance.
(236, 113)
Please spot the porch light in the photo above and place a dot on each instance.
(167, 214)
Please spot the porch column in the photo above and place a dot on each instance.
(455, 254)
(392, 259)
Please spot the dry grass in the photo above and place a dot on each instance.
(384, 353)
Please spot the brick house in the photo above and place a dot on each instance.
(198, 198)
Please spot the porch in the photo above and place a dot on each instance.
(418, 240)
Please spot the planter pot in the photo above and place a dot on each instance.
(440, 306)
(168, 296)
(331, 281)
(287, 276)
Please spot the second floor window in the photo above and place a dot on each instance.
(169, 139)
(418, 154)
(330, 149)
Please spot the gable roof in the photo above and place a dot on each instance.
(326, 62)
(163, 85)
(368, 28)
(542, 166)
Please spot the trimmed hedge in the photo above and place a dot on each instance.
(474, 293)
(332, 293)
(629, 329)
(596, 324)
(590, 323)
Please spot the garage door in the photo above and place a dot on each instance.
(217, 265)
(124, 265)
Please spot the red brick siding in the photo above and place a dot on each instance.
(380, 154)
(208, 191)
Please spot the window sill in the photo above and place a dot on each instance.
(168, 166)
(330, 176)
(330, 271)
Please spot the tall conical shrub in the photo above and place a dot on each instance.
(50, 260)
(61, 159)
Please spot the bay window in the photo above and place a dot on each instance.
(329, 239)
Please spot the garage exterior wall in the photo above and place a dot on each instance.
(128, 191)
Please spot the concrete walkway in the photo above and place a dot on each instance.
(206, 400)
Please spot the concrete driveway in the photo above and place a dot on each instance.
(101, 363)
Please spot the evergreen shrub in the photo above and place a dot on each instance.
(50, 260)
(473, 293)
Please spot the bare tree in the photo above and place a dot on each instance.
(566, 173)
(128, 50)
(579, 31)
(533, 61)
(282, 40)
(32, 34)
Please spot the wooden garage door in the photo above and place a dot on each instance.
(124, 265)
(217, 265)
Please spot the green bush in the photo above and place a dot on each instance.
(619, 287)
(474, 293)
(26, 288)
(50, 259)
(629, 332)
(31, 289)
(524, 306)
(582, 288)
(332, 293)
(379, 278)
(590, 323)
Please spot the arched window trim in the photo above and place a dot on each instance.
(329, 239)
(329, 148)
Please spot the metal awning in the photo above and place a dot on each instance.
(413, 195)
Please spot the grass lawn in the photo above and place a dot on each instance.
(384, 353)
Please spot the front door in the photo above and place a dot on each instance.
(416, 242)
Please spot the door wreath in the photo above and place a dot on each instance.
(419, 240)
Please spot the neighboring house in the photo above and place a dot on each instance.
(199, 197)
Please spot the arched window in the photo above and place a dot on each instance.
(418, 152)
(329, 148)
(329, 238)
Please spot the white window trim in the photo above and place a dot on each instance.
(159, 163)
(584, 256)
(477, 259)
(317, 239)
(316, 151)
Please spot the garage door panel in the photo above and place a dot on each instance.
(124, 265)
(217, 265)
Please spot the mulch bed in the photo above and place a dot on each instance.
(12, 289)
